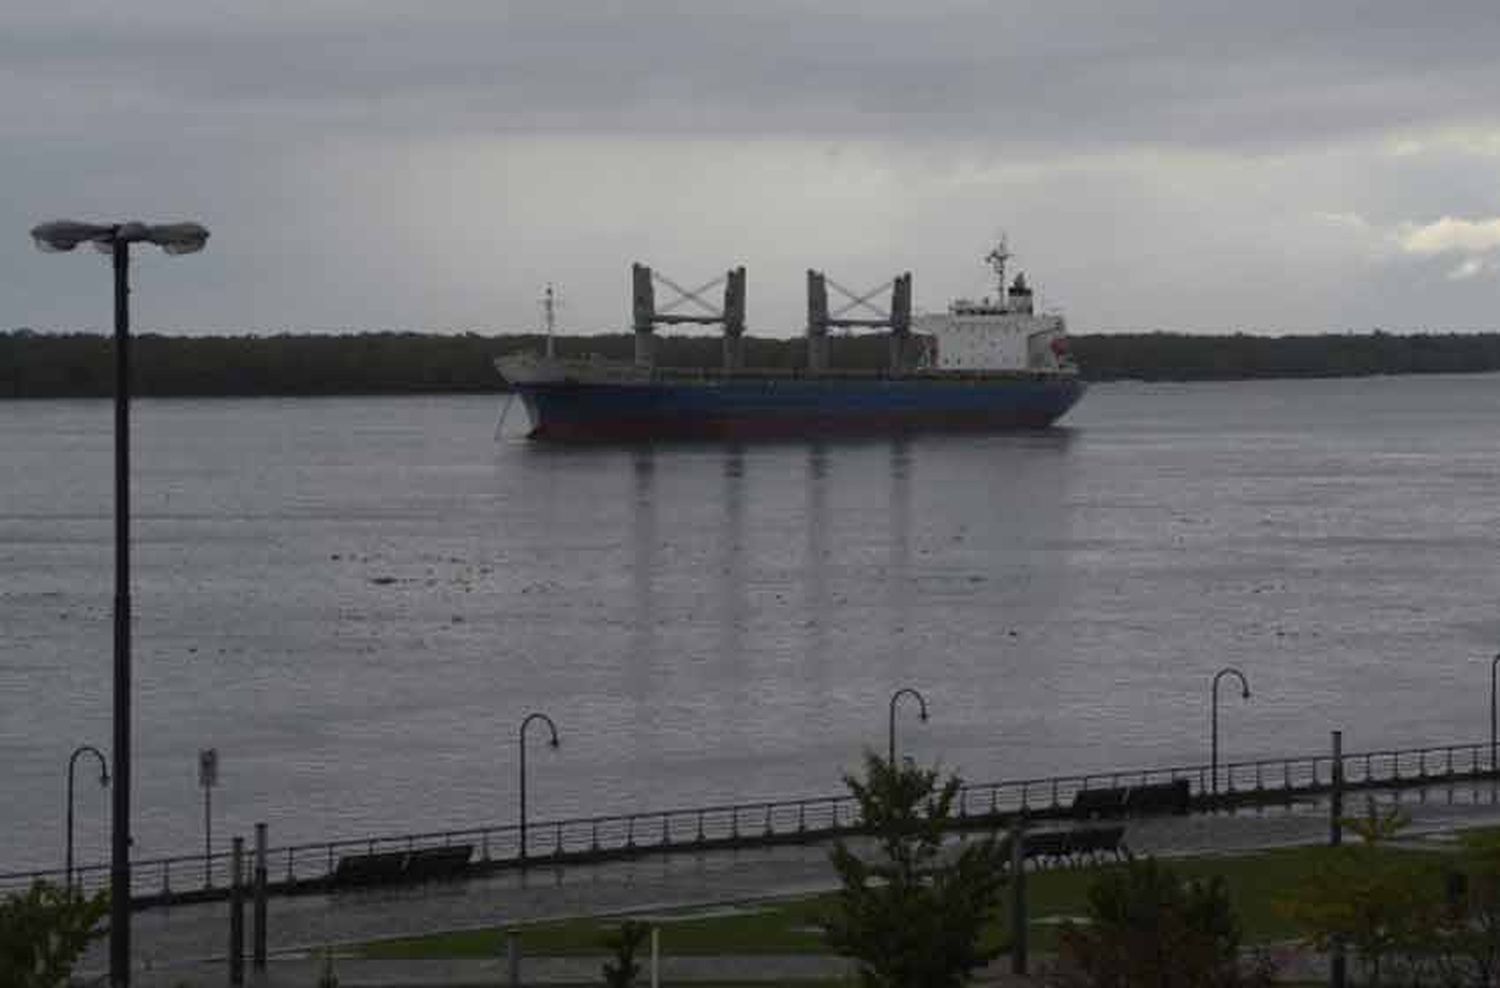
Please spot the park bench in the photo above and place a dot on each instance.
(391, 867)
(1073, 846)
(369, 869)
(1092, 842)
(1141, 800)
(1089, 804)
(432, 863)
(1159, 797)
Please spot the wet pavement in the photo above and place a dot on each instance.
(173, 945)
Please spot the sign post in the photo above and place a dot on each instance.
(208, 777)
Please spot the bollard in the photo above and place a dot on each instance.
(237, 914)
(513, 957)
(1018, 895)
(1337, 973)
(258, 936)
(1336, 794)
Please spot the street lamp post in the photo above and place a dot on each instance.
(1493, 663)
(522, 735)
(890, 734)
(1213, 761)
(115, 239)
(103, 781)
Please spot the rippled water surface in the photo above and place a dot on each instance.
(357, 600)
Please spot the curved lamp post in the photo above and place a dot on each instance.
(1493, 663)
(103, 781)
(115, 239)
(891, 724)
(522, 736)
(1214, 720)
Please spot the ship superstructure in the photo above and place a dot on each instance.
(1003, 332)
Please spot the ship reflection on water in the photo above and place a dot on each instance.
(757, 597)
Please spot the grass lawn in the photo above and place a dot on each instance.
(782, 927)
(1256, 884)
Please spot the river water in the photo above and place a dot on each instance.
(357, 600)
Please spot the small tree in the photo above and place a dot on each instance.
(1465, 946)
(44, 931)
(1387, 908)
(913, 913)
(1147, 928)
(1375, 826)
(625, 943)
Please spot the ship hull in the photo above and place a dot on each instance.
(793, 407)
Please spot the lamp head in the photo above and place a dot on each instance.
(103, 776)
(1245, 695)
(64, 235)
(174, 238)
(177, 238)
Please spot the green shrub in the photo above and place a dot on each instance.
(43, 933)
(1147, 928)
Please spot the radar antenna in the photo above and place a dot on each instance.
(997, 258)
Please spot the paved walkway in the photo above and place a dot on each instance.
(183, 938)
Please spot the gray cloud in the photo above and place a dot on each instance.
(373, 163)
(1069, 73)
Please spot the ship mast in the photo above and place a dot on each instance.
(997, 258)
(549, 310)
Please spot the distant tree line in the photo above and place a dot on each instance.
(1180, 357)
(47, 365)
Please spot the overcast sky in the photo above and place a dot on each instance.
(1197, 165)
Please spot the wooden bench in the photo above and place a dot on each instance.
(1089, 804)
(1073, 846)
(392, 867)
(1159, 797)
(1143, 800)
(369, 869)
(1091, 842)
(431, 863)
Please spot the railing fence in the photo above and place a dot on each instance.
(315, 866)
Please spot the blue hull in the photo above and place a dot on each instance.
(755, 407)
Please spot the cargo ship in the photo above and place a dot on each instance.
(982, 365)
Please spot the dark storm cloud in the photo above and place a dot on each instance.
(1074, 73)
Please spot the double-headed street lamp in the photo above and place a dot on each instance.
(1213, 760)
(522, 737)
(103, 781)
(890, 734)
(115, 239)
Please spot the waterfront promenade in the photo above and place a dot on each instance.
(186, 944)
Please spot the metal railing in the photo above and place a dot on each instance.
(313, 867)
